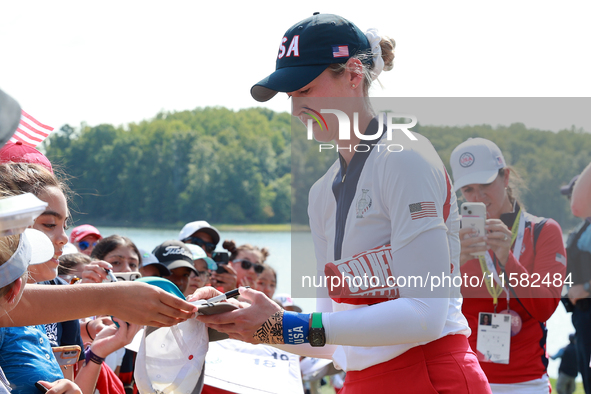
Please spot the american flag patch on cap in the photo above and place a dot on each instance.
(422, 210)
(340, 51)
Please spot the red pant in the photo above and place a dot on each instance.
(446, 365)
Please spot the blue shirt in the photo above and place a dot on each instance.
(26, 357)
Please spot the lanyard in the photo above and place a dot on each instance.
(486, 264)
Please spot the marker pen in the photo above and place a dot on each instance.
(110, 275)
(225, 296)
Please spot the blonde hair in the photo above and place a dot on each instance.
(387, 44)
(516, 184)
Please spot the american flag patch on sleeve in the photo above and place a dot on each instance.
(422, 210)
(561, 259)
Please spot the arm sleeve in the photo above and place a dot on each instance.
(541, 302)
(419, 314)
(320, 242)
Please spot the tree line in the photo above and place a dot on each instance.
(248, 166)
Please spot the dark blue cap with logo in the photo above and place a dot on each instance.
(307, 48)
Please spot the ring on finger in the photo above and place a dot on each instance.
(505, 237)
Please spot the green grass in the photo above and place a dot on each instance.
(579, 389)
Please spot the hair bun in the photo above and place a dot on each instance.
(388, 44)
(230, 246)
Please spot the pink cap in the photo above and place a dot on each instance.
(82, 231)
(17, 152)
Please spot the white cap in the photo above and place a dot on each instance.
(170, 359)
(199, 253)
(34, 247)
(201, 225)
(476, 160)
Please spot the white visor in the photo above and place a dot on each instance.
(34, 247)
(170, 359)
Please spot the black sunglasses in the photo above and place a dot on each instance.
(207, 246)
(246, 264)
(83, 245)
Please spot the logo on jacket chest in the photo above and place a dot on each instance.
(363, 203)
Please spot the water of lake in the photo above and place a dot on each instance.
(280, 246)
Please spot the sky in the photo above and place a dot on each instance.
(124, 61)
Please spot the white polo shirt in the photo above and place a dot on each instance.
(385, 197)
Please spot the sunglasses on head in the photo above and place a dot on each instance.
(207, 246)
(246, 264)
(83, 245)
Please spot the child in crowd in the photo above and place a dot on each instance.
(203, 265)
(151, 266)
(267, 281)
(71, 266)
(177, 257)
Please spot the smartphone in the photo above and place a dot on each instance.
(221, 268)
(474, 216)
(221, 257)
(127, 276)
(41, 388)
(66, 355)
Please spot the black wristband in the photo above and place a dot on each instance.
(88, 332)
(90, 356)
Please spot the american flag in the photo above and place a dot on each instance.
(340, 51)
(422, 210)
(30, 131)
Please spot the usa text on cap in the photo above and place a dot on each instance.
(307, 49)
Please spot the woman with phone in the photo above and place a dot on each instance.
(374, 196)
(522, 260)
(243, 269)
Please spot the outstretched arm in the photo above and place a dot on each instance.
(133, 302)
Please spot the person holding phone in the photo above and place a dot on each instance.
(415, 341)
(517, 245)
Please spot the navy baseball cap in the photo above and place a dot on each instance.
(308, 48)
